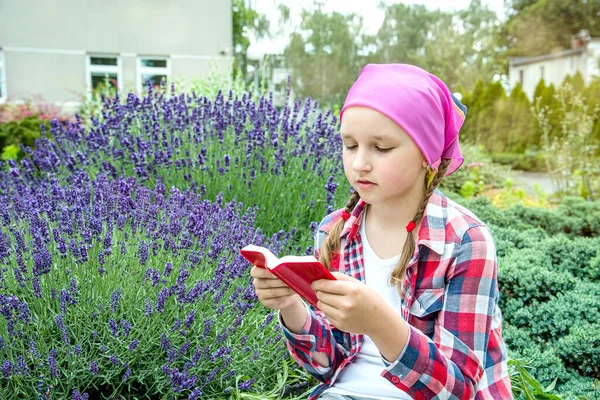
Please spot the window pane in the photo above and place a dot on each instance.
(103, 61)
(155, 79)
(98, 80)
(146, 62)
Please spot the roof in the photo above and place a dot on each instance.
(516, 61)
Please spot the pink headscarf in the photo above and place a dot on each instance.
(419, 102)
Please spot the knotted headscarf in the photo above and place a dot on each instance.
(419, 102)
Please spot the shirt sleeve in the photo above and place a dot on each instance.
(317, 335)
(451, 364)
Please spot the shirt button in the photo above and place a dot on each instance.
(395, 379)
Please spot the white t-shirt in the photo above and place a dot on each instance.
(363, 376)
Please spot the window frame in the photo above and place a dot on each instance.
(3, 92)
(105, 69)
(143, 70)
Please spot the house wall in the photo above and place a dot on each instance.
(46, 43)
(552, 71)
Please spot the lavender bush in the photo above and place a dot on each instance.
(109, 287)
(284, 161)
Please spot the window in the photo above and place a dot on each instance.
(521, 77)
(153, 69)
(2, 78)
(103, 71)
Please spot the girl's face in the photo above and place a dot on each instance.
(377, 150)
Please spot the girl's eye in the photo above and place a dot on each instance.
(378, 149)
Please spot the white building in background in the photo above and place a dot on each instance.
(60, 49)
(584, 56)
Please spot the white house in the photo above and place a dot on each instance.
(584, 56)
(60, 49)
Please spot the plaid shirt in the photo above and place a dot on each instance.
(450, 297)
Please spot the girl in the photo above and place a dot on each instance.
(410, 316)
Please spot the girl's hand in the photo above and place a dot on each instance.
(271, 291)
(349, 304)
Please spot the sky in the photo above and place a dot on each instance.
(372, 15)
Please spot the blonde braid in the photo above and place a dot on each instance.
(408, 250)
(333, 241)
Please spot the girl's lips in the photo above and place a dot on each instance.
(365, 184)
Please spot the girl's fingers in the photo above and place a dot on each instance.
(264, 294)
(268, 283)
(261, 273)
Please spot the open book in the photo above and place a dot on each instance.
(298, 272)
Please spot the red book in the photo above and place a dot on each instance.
(298, 272)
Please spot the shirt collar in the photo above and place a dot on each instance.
(432, 232)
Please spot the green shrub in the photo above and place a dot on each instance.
(516, 339)
(574, 255)
(509, 239)
(577, 386)
(524, 274)
(573, 216)
(545, 364)
(13, 133)
(555, 318)
(580, 350)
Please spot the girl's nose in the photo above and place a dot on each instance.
(361, 162)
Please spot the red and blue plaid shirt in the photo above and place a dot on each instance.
(450, 297)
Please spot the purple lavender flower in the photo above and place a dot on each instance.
(94, 367)
(52, 363)
(246, 384)
(195, 395)
(163, 295)
(115, 360)
(37, 287)
(63, 329)
(114, 328)
(168, 269)
(133, 345)
(126, 326)
(78, 396)
(42, 261)
(165, 343)
(4, 246)
(149, 309)
(189, 320)
(127, 373)
(22, 367)
(7, 368)
(115, 297)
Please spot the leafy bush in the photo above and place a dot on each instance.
(580, 350)
(15, 133)
(545, 364)
(525, 275)
(554, 319)
(516, 339)
(574, 255)
(509, 239)
(572, 217)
